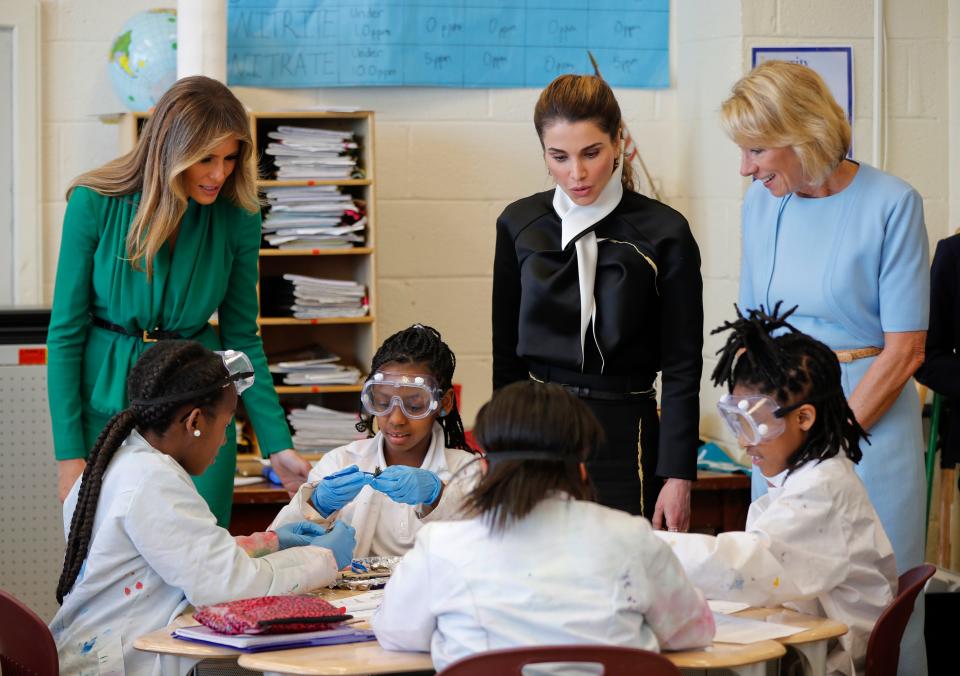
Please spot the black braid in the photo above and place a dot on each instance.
(792, 367)
(421, 344)
(170, 367)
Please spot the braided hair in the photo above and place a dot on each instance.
(421, 344)
(169, 368)
(767, 353)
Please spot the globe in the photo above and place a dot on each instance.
(143, 58)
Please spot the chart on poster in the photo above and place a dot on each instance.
(445, 43)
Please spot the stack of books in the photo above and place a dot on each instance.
(321, 370)
(313, 217)
(303, 153)
(304, 297)
(317, 429)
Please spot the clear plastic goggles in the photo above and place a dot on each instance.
(753, 419)
(239, 374)
(239, 368)
(417, 396)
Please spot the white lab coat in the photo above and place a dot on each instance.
(155, 546)
(569, 572)
(814, 544)
(398, 522)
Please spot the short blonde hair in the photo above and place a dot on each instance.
(780, 104)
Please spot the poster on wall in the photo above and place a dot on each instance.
(833, 64)
(445, 43)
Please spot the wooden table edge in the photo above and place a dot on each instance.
(739, 655)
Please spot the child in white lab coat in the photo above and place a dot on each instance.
(538, 562)
(142, 543)
(389, 485)
(814, 542)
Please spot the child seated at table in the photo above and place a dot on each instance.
(388, 485)
(538, 562)
(814, 542)
(141, 541)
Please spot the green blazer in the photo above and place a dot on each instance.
(213, 268)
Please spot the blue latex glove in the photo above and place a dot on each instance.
(271, 476)
(298, 534)
(341, 540)
(334, 491)
(409, 485)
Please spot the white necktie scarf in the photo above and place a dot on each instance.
(574, 219)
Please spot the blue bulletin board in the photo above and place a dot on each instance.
(445, 43)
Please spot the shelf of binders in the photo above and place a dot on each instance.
(352, 338)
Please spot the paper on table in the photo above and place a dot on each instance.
(727, 607)
(362, 606)
(258, 642)
(743, 630)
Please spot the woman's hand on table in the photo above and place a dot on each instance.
(673, 506)
(67, 473)
(291, 468)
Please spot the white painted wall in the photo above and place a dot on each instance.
(6, 166)
(449, 159)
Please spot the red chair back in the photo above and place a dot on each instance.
(26, 645)
(883, 648)
(616, 661)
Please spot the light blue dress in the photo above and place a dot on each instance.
(856, 264)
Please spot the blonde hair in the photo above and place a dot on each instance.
(780, 104)
(190, 120)
(582, 98)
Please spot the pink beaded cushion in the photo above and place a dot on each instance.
(271, 615)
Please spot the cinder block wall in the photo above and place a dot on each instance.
(449, 160)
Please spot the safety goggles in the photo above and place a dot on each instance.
(756, 418)
(239, 374)
(239, 368)
(417, 396)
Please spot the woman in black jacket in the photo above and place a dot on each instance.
(598, 288)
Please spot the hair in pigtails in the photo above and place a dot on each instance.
(765, 352)
(169, 368)
(421, 344)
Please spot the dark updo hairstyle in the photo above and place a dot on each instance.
(764, 352)
(168, 369)
(532, 418)
(582, 98)
(421, 344)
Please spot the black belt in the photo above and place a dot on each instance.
(151, 336)
(590, 386)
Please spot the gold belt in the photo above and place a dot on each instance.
(847, 356)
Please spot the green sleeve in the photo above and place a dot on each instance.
(69, 321)
(238, 331)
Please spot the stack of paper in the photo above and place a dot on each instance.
(317, 429)
(315, 369)
(313, 217)
(260, 642)
(309, 153)
(313, 297)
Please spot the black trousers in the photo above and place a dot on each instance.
(632, 429)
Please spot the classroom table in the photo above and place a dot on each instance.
(812, 643)
(177, 656)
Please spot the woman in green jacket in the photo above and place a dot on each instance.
(153, 244)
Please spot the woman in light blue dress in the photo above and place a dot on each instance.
(847, 244)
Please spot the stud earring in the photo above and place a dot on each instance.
(196, 433)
